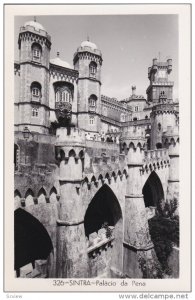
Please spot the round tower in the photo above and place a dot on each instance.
(160, 93)
(88, 61)
(171, 142)
(71, 246)
(34, 52)
(163, 116)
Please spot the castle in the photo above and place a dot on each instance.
(90, 170)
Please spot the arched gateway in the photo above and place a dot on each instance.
(32, 241)
(104, 233)
(153, 192)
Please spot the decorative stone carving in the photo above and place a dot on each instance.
(63, 112)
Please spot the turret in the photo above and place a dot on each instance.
(34, 52)
(70, 148)
(88, 61)
(164, 113)
(158, 75)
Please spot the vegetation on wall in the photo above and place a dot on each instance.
(164, 231)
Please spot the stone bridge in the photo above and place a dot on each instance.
(94, 202)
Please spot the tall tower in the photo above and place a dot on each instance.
(88, 61)
(159, 92)
(34, 53)
(160, 84)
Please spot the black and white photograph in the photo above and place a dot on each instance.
(96, 147)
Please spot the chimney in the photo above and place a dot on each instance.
(133, 89)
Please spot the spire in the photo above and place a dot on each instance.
(35, 19)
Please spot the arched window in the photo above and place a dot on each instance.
(35, 111)
(137, 108)
(36, 52)
(63, 94)
(146, 117)
(159, 127)
(91, 120)
(92, 69)
(122, 117)
(92, 102)
(35, 91)
(159, 146)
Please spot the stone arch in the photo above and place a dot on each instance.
(172, 142)
(153, 192)
(100, 179)
(107, 176)
(41, 195)
(17, 199)
(82, 157)
(17, 193)
(125, 173)
(93, 179)
(132, 146)
(72, 153)
(52, 195)
(29, 195)
(113, 175)
(105, 208)
(31, 240)
(124, 148)
(53, 190)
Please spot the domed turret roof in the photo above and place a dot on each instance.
(57, 61)
(34, 24)
(88, 44)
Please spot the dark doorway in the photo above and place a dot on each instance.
(159, 146)
(104, 208)
(153, 192)
(31, 239)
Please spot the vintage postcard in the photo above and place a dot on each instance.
(97, 148)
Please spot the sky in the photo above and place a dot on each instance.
(128, 44)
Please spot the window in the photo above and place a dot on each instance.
(122, 118)
(92, 103)
(136, 108)
(36, 91)
(63, 95)
(91, 120)
(36, 52)
(35, 111)
(92, 69)
(159, 126)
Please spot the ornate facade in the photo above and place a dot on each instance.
(90, 170)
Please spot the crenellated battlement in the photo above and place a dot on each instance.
(158, 154)
(155, 160)
(162, 108)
